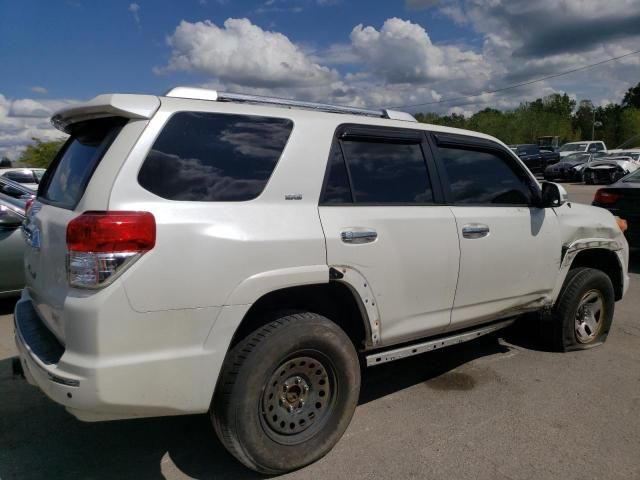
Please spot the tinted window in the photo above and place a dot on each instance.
(212, 157)
(21, 176)
(387, 172)
(65, 181)
(337, 189)
(477, 177)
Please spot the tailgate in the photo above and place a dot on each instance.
(60, 191)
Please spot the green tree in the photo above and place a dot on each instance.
(632, 97)
(39, 153)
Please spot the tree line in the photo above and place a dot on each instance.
(554, 115)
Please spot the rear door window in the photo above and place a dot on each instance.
(64, 183)
(214, 157)
(387, 172)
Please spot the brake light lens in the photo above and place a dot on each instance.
(102, 245)
(606, 198)
(28, 205)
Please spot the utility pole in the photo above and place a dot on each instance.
(593, 126)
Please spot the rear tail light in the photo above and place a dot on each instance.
(102, 245)
(606, 198)
(28, 205)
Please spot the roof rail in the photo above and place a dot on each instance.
(214, 95)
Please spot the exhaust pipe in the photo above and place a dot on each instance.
(16, 368)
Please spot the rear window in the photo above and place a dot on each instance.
(214, 157)
(64, 183)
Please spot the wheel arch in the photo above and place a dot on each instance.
(603, 255)
(338, 301)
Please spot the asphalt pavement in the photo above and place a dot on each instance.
(500, 407)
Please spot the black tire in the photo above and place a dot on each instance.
(572, 325)
(309, 362)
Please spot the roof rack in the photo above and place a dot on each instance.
(214, 95)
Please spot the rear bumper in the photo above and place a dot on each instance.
(177, 379)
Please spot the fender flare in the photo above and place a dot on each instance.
(571, 250)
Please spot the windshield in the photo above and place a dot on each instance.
(573, 147)
(632, 177)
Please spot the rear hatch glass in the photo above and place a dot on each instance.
(65, 181)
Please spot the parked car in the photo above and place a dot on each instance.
(208, 256)
(571, 167)
(29, 177)
(15, 189)
(567, 170)
(623, 200)
(12, 246)
(608, 169)
(581, 147)
(535, 158)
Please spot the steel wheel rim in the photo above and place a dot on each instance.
(589, 316)
(298, 398)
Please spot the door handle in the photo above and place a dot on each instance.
(475, 230)
(358, 236)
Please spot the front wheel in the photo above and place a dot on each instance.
(287, 393)
(584, 311)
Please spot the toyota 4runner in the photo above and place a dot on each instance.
(248, 256)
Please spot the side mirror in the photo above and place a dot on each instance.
(9, 218)
(553, 195)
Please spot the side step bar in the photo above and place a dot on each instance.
(434, 344)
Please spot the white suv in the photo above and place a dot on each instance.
(248, 256)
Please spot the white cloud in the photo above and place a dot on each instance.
(244, 54)
(134, 8)
(402, 52)
(24, 119)
(40, 90)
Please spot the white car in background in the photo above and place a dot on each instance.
(581, 147)
(29, 177)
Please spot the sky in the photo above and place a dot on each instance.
(365, 53)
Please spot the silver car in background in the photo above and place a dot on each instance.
(12, 245)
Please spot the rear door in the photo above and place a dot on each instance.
(383, 215)
(59, 193)
(510, 249)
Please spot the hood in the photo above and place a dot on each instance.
(578, 222)
(606, 164)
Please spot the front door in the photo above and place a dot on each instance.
(510, 249)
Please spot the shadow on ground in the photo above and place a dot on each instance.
(39, 439)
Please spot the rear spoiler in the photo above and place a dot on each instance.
(108, 105)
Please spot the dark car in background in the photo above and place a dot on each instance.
(567, 170)
(571, 167)
(623, 200)
(534, 158)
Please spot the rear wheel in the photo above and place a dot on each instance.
(584, 311)
(287, 393)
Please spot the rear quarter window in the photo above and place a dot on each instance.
(214, 157)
